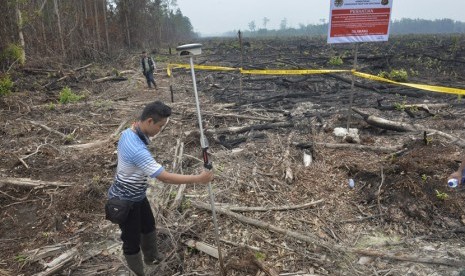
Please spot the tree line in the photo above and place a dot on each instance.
(87, 29)
(402, 26)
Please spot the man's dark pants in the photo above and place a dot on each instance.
(150, 79)
(140, 221)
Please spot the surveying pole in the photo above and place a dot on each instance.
(191, 50)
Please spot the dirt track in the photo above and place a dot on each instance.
(395, 209)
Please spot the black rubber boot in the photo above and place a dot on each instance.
(135, 263)
(148, 244)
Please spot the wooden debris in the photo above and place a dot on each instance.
(242, 129)
(410, 258)
(347, 146)
(67, 258)
(59, 263)
(405, 127)
(45, 252)
(111, 78)
(32, 183)
(62, 135)
(99, 143)
(288, 173)
(94, 144)
(205, 248)
(238, 116)
(307, 158)
(177, 164)
(271, 208)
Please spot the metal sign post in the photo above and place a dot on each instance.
(352, 86)
(192, 50)
(351, 21)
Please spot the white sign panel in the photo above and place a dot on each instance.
(359, 21)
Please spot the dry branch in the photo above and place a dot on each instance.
(44, 252)
(424, 107)
(231, 115)
(126, 72)
(236, 130)
(64, 136)
(288, 173)
(111, 78)
(179, 195)
(21, 159)
(31, 182)
(99, 143)
(59, 263)
(410, 258)
(347, 146)
(205, 248)
(65, 259)
(82, 67)
(266, 209)
(405, 127)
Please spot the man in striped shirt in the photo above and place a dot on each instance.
(135, 165)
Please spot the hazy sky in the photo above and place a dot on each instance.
(219, 16)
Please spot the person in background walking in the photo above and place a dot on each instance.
(135, 166)
(148, 67)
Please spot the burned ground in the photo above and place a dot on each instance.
(400, 213)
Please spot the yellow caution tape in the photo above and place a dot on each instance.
(290, 72)
(254, 71)
(433, 88)
(200, 67)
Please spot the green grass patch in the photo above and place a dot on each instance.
(336, 61)
(400, 75)
(12, 53)
(6, 84)
(67, 96)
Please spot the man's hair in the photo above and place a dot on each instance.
(156, 110)
(144, 52)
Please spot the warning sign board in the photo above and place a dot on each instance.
(359, 21)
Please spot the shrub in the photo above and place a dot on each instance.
(395, 75)
(441, 196)
(5, 85)
(336, 61)
(51, 106)
(67, 96)
(398, 75)
(383, 74)
(12, 53)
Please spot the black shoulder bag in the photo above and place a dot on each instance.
(117, 210)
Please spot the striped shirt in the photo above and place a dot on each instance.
(135, 163)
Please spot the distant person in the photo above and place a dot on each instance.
(148, 67)
(135, 165)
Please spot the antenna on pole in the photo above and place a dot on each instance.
(191, 50)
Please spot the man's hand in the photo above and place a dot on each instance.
(457, 175)
(205, 176)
